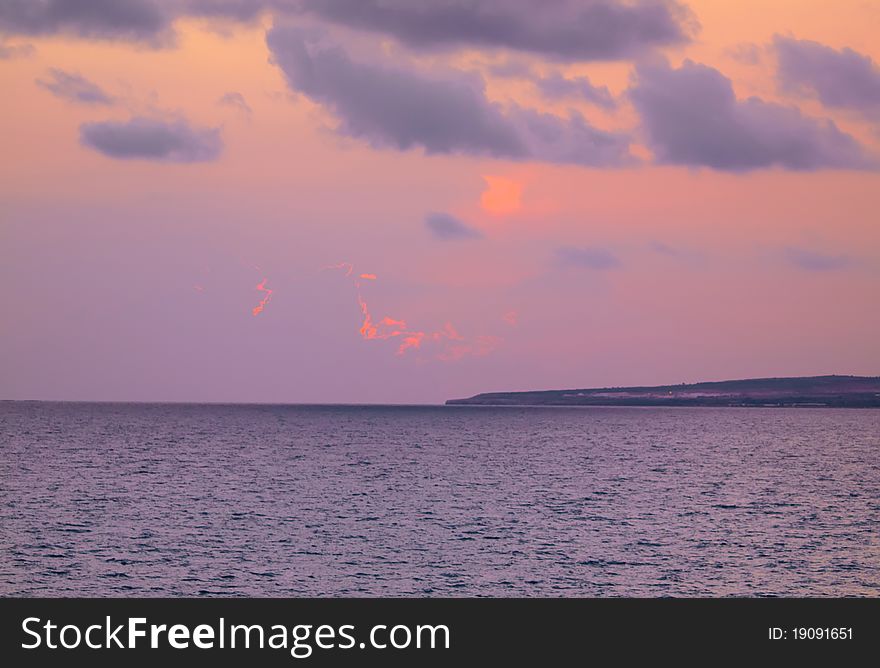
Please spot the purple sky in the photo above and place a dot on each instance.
(296, 201)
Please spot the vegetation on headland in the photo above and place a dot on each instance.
(813, 391)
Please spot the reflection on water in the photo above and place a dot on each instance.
(126, 499)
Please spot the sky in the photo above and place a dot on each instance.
(389, 201)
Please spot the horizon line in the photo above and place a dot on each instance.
(414, 404)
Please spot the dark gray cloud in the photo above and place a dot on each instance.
(813, 261)
(394, 107)
(405, 109)
(74, 87)
(148, 21)
(142, 20)
(234, 10)
(588, 258)
(691, 117)
(148, 139)
(235, 100)
(844, 78)
(555, 86)
(562, 29)
(448, 228)
(569, 30)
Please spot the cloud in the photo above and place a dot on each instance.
(746, 53)
(233, 10)
(692, 117)
(844, 78)
(511, 69)
(75, 88)
(147, 139)
(562, 29)
(147, 21)
(664, 249)
(140, 20)
(559, 29)
(812, 261)
(237, 101)
(449, 113)
(394, 107)
(680, 254)
(447, 228)
(261, 287)
(10, 51)
(447, 343)
(588, 258)
(572, 140)
(556, 86)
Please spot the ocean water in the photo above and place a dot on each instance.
(172, 500)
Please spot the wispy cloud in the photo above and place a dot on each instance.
(448, 228)
(236, 101)
(810, 260)
(446, 343)
(557, 87)
(587, 258)
(10, 51)
(267, 295)
(664, 249)
(74, 88)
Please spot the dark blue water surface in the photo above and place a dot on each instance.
(157, 499)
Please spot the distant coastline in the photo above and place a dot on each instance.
(798, 392)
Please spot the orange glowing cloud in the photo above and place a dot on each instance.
(453, 346)
(348, 266)
(387, 327)
(502, 196)
(265, 300)
(412, 340)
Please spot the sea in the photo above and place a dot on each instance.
(116, 499)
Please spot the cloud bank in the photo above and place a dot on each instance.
(138, 20)
(404, 109)
(692, 117)
(845, 78)
(559, 29)
(148, 139)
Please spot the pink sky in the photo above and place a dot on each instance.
(297, 206)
